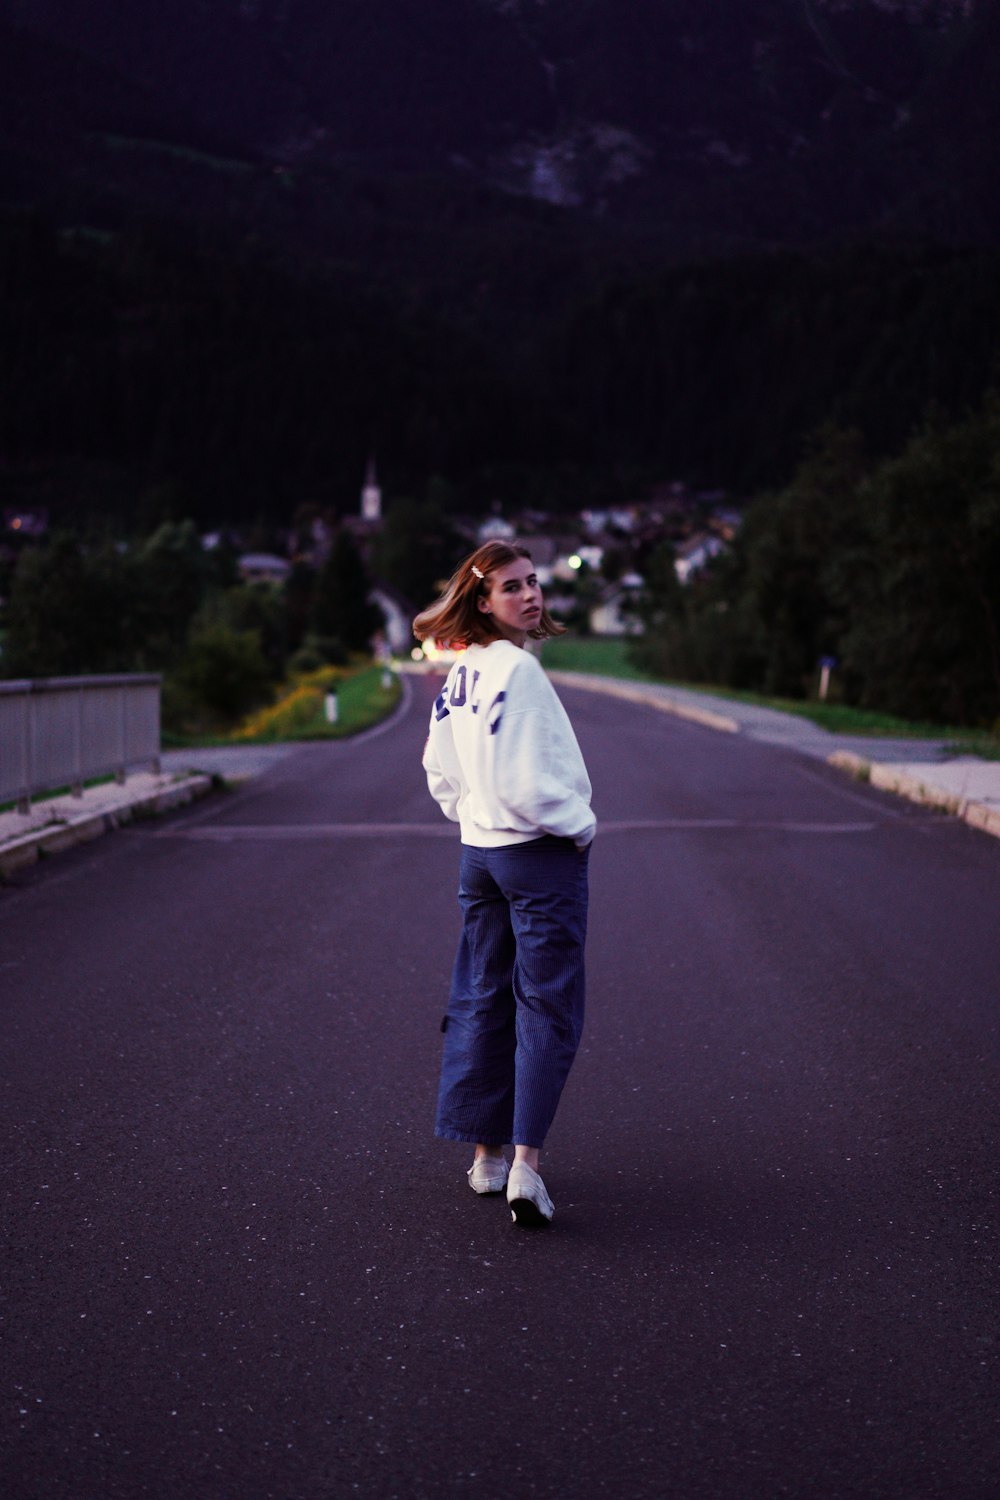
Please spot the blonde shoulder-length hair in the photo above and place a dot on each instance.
(456, 620)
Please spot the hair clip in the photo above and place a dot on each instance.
(477, 572)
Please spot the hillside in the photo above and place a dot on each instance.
(548, 249)
(710, 127)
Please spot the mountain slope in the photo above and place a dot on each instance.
(712, 123)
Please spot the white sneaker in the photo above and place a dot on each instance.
(529, 1203)
(488, 1174)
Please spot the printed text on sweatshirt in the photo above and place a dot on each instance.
(501, 757)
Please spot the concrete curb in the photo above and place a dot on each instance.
(854, 765)
(652, 697)
(917, 786)
(50, 838)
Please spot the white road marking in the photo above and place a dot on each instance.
(246, 832)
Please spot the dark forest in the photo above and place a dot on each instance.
(138, 359)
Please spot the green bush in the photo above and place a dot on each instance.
(222, 677)
(892, 569)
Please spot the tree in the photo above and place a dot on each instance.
(789, 546)
(893, 570)
(171, 576)
(342, 610)
(417, 548)
(921, 592)
(222, 676)
(70, 611)
(260, 609)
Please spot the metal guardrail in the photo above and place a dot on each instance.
(62, 731)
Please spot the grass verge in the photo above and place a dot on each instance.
(300, 714)
(59, 791)
(606, 656)
(609, 658)
(987, 747)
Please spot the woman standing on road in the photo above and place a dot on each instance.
(502, 761)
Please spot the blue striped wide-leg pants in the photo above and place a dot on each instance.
(515, 1015)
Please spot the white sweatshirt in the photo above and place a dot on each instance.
(501, 756)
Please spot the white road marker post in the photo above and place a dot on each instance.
(826, 666)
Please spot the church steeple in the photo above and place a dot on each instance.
(371, 495)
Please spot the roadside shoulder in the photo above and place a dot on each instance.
(60, 822)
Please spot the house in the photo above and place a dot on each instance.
(691, 556)
(263, 567)
(494, 529)
(614, 613)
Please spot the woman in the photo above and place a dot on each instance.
(502, 761)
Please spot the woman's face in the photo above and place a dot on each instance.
(513, 600)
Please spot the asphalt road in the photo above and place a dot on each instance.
(237, 1264)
